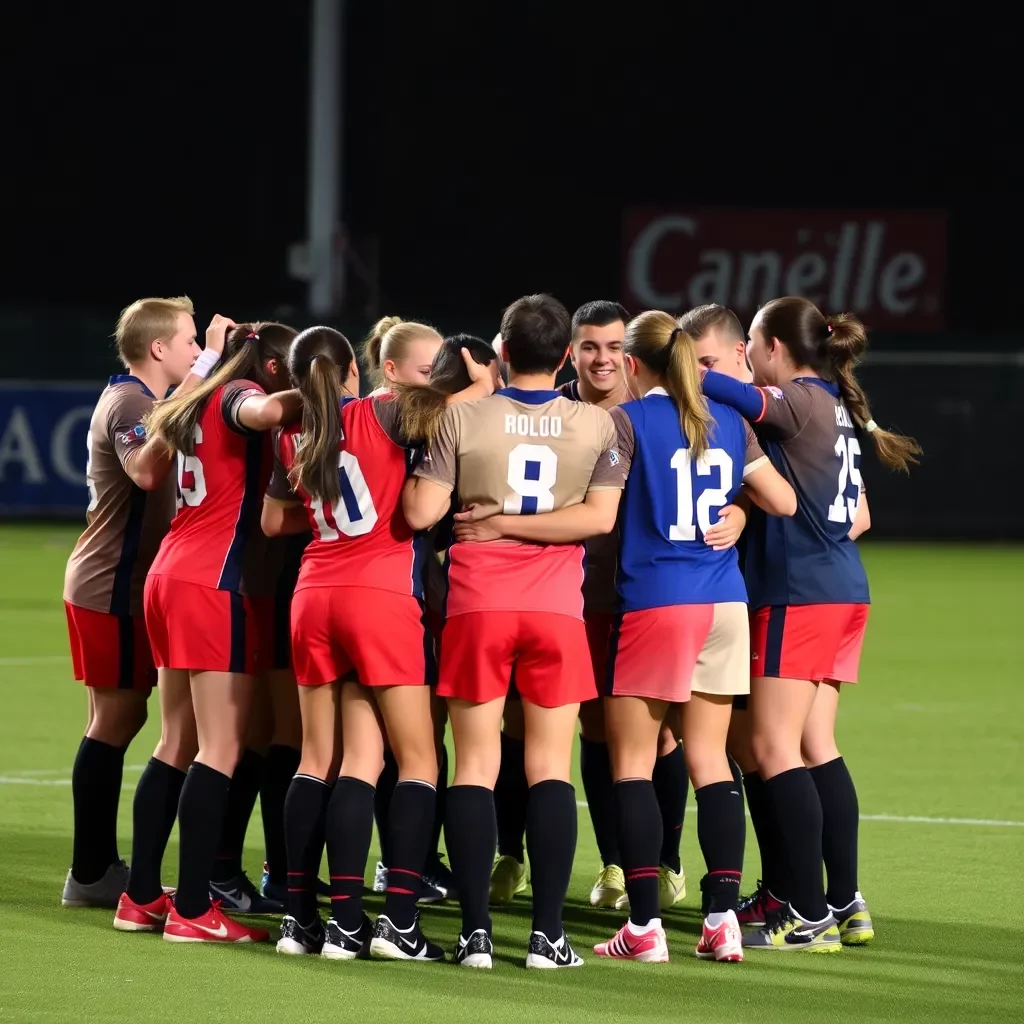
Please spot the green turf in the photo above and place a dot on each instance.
(934, 731)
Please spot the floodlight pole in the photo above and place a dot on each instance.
(326, 110)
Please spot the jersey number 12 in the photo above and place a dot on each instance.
(710, 499)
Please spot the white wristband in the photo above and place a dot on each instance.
(869, 426)
(205, 362)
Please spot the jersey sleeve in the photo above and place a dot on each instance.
(280, 488)
(388, 412)
(755, 458)
(781, 412)
(609, 471)
(125, 428)
(440, 460)
(625, 439)
(232, 396)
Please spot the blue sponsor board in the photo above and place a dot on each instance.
(43, 448)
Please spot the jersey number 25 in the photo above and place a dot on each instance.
(844, 508)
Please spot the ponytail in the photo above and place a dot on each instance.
(666, 349)
(374, 344)
(846, 343)
(315, 468)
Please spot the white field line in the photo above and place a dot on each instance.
(35, 659)
(37, 777)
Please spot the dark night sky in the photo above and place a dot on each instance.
(161, 146)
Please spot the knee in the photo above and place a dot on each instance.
(178, 748)
(117, 722)
(477, 767)
(774, 753)
(418, 762)
(817, 750)
(629, 761)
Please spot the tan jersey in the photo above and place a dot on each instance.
(520, 453)
(124, 524)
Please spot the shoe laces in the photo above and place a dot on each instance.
(776, 920)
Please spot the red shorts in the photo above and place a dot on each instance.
(200, 629)
(654, 651)
(809, 641)
(272, 614)
(378, 635)
(599, 631)
(110, 651)
(547, 651)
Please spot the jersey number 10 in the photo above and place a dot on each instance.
(355, 515)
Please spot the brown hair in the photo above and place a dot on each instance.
(319, 361)
(701, 319)
(536, 330)
(388, 339)
(832, 347)
(665, 348)
(146, 321)
(247, 350)
(423, 405)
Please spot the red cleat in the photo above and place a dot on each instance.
(723, 943)
(141, 917)
(754, 909)
(213, 926)
(648, 946)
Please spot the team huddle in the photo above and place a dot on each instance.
(662, 551)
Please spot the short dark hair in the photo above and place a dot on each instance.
(599, 313)
(698, 321)
(535, 330)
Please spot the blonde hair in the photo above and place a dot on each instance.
(657, 340)
(146, 321)
(389, 338)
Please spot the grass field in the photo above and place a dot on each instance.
(934, 737)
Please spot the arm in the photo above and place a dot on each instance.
(731, 522)
(281, 517)
(594, 516)
(425, 502)
(149, 465)
(746, 399)
(427, 494)
(481, 381)
(770, 491)
(862, 521)
(263, 412)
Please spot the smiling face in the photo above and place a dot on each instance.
(597, 356)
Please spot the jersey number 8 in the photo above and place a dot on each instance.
(355, 515)
(844, 509)
(709, 499)
(532, 469)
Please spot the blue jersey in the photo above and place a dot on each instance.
(807, 433)
(670, 502)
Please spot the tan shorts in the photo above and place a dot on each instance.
(723, 665)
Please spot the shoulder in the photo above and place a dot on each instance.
(241, 386)
(571, 390)
(127, 396)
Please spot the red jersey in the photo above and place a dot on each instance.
(363, 540)
(220, 491)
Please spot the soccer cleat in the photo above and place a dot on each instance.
(855, 928)
(508, 879)
(240, 896)
(104, 893)
(391, 943)
(476, 951)
(431, 891)
(723, 942)
(787, 930)
(438, 877)
(301, 940)
(342, 945)
(213, 926)
(754, 910)
(277, 892)
(648, 945)
(141, 917)
(380, 878)
(609, 888)
(548, 955)
(671, 887)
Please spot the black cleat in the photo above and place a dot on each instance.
(300, 940)
(547, 954)
(476, 951)
(390, 943)
(342, 945)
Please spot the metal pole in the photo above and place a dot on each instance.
(325, 185)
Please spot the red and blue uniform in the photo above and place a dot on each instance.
(198, 614)
(358, 609)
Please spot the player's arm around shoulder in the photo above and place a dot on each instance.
(427, 494)
(283, 512)
(254, 410)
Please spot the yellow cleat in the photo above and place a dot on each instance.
(609, 888)
(855, 927)
(508, 879)
(671, 887)
(789, 931)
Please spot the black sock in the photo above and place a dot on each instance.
(153, 813)
(551, 842)
(201, 811)
(596, 770)
(769, 839)
(279, 767)
(245, 787)
(96, 791)
(840, 815)
(640, 824)
(434, 846)
(720, 828)
(471, 835)
(798, 813)
(305, 813)
(671, 783)
(412, 820)
(510, 798)
(382, 805)
(349, 831)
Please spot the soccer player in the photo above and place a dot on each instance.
(517, 607)
(131, 502)
(362, 652)
(809, 596)
(400, 352)
(200, 622)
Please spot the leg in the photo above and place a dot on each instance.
(670, 786)
(840, 810)
(115, 718)
(384, 791)
(439, 714)
(282, 762)
(510, 788)
(596, 773)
